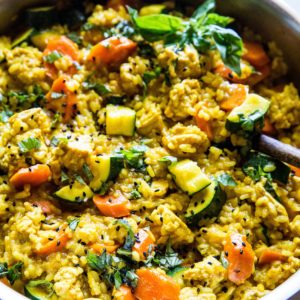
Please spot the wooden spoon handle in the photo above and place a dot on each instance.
(279, 150)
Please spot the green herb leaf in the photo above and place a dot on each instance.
(79, 179)
(168, 159)
(226, 180)
(224, 261)
(5, 115)
(202, 10)
(270, 189)
(87, 172)
(52, 57)
(29, 144)
(73, 223)
(20, 96)
(14, 273)
(55, 141)
(129, 240)
(64, 177)
(75, 37)
(134, 157)
(135, 194)
(99, 88)
(3, 270)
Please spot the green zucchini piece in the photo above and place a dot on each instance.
(104, 168)
(260, 165)
(249, 116)
(23, 37)
(40, 39)
(206, 204)
(176, 274)
(120, 120)
(74, 193)
(39, 290)
(41, 17)
(188, 176)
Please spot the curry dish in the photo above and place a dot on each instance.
(126, 156)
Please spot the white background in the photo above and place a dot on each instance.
(295, 4)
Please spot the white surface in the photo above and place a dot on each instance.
(295, 4)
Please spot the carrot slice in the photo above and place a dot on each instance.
(110, 206)
(240, 257)
(154, 285)
(295, 170)
(65, 47)
(268, 127)
(112, 51)
(255, 54)
(145, 238)
(61, 99)
(238, 93)
(55, 245)
(46, 206)
(123, 293)
(99, 248)
(269, 255)
(34, 175)
(262, 73)
(5, 281)
(205, 126)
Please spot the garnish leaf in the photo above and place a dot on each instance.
(168, 159)
(226, 180)
(129, 240)
(13, 273)
(99, 88)
(87, 172)
(5, 114)
(202, 10)
(73, 223)
(134, 157)
(52, 57)
(29, 144)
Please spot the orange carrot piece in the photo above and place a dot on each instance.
(46, 206)
(99, 248)
(55, 245)
(34, 175)
(205, 126)
(240, 257)
(123, 293)
(268, 128)
(112, 51)
(65, 47)
(145, 238)
(295, 170)
(236, 97)
(111, 206)
(67, 103)
(5, 281)
(262, 73)
(255, 54)
(154, 285)
(269, 255)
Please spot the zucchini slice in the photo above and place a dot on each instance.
(176, 274)
(188, 176)
(23, 37)
(104, 168)
(206, 204)
(40, 290)
(74, 193)
(120, 120)
(41, 17)
(40, 39)
(249, 116)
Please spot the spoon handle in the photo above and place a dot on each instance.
(279, 150)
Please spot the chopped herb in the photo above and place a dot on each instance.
(13, 273)
(99, 88)
(168, 159)
(75, 37)
(79, 179)
(224, 261)
(5, 114)
(87, 172)
(52, 57)
(29, 144)
(135, 194)
(129, 240)
(64, 177)
(55, 141)
(73, 223)
(134, 157)
(226, 180)
(20, 96)
(55, 121)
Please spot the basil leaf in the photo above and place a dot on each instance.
(20, 96)
(99, 88)
(3, 270)
(75, 37)
(64, 177)
(226, 180)
(79, 179)
(14, 273)
(135, 194)
(29, 144)
(204, 9)
(55, 141)
(134, 157)
(168, 159)
(73, 223)
(52, 57)
(215, 19)
(129, 240)
(87, 172)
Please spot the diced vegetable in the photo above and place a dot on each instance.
(249, 116)
(240, 257)
(268, 127)
(269, 255)
(145, 238)
(120, 120)
(57, 244)
(206, 204)
(100, 247)
(295, 170)
(76, 193)
(34, 175)
(42, 38)
(39, 290)
(112, 206)
(113, 50)
(123, 293)
(237, 95)
(255, 54)
(188, 176)
(41, 17)
(205, 126)
(23, 37)
(104, 168)
(154, 285)
(60, 99)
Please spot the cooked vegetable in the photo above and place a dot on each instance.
(120, 120)
(206, 204)
(177, 275)
(268, 127)
(153, 284)
(56, 244)
(100, 247)
(22, 37)
(11, 274)
(39, 290)
(249, 116)
(76, 193)
(295, 170)
(123, 293)
(46, 206)
(269, 255)
(104, 168)
(144, 238)
(41, 17)
(237, 95)
(41, 38)
(188, 176)
(60, 99)
(255, 54)
(113, 50)
(134, 157)
(260, 74)
(34, 175)
(112, 206)
(205, 126)
(240, 257)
